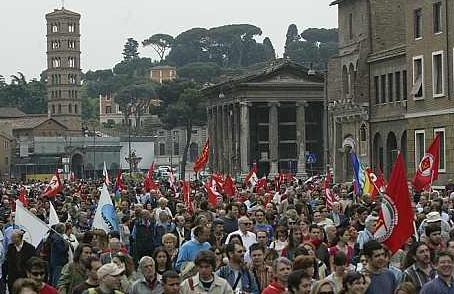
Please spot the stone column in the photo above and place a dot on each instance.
(210, 136)
(236, 138)
(301, 138)
(225, 138)
(214, 138)
(273, 137)
(219, 141)
(244, 137)
(230, 153)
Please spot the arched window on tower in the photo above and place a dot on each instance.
(53, 108)
(59, 108)
(75, 108)
(70, 108)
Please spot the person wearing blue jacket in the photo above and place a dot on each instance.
(190, 249)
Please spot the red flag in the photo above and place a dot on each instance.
(378, 181)
(54, 186)
(252, 175)
(218, 181)
(229, 187)
(203, 158)
(186, 196)
(148, 182)
(395, 224)
(262, 183)
(427, 171)
(119, 184)
(213, 196)
(23, 196)
(329, 196)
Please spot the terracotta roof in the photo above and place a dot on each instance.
(31, 122)
(11, 112)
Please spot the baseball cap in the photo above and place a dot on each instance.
(109, 269)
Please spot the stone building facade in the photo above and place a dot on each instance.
(163, 73)
(271, 117)
(410, 64)
(63, 68)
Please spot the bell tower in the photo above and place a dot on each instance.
(63, 68)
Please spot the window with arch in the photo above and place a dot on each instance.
(71, 27)
(70, 108)
(362, 133)
(71, 44)
(53, 108)
(71, 62)
(54, 27)
(59, 108)
(56, 62)
(75, 108)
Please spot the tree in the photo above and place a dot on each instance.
(160, 43)
(292, 35)
(134, 99)
(201, 72)
(270, 54)
(130, 50)
(188, 109)
(322, 35)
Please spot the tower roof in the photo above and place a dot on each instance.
(58, 13)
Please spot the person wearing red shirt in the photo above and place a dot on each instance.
(36, 270)
(281, 270)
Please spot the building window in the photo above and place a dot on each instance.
(390, 87)
(362, 133)
(404, 85)
(437, 74)
(161, 133)
(59, 108)
(71, 44)
(55, 44)
(350, 26)
(398, 85)
(56, 62)
(420, 145)
(442, 151)
(175, 133)
(418, 78)
(71, 62)
(162, 149)
(70, 108)
(54, 28)
(71, 27)
(75, 108)
(176, 148)
(377, 89)
(53, 108)
(194, 131)
(383, 88)
(437, 17)
(108, 109)
(418, 23)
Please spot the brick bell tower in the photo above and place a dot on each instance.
(63, 68)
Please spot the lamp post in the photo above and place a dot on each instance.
(94, 153)
(129, 122)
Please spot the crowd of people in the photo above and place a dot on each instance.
(281, 238)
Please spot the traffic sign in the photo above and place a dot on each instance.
(311, 158)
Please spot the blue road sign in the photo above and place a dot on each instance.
(311, 158)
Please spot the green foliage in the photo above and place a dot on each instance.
(160, 43)
(314, 47)
(200, 71)
(183, 105)
(137, 96)
(130, 50)
(227, 46)
(90, 104)
(30, 97)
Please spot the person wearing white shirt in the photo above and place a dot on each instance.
(162, 202)
(248, 237)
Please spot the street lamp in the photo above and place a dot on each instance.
(129, 122)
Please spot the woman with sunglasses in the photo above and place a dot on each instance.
(323, 287)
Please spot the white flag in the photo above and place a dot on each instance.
(105, 216)
(105, 174)
(35, 229)
(53, 217)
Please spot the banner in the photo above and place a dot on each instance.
(203, 158)
(427, 171)
(34, 228)
(105, 215)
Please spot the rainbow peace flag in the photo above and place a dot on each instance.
(362, 183)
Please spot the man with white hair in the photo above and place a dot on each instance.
(368, 233)
(162, 207)
(149, 283)
(245, 232)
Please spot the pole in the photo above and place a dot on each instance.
(325, 94)
(129, 146)
(94, 153)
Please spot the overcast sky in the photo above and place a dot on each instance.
(106, 24)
